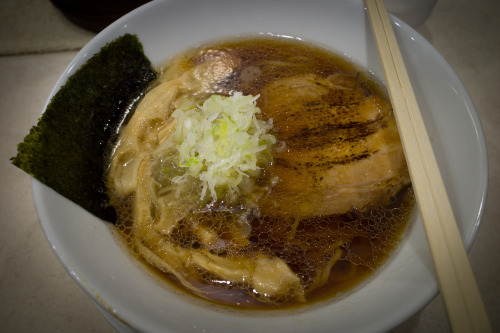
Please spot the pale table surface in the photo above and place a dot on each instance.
(37, 43)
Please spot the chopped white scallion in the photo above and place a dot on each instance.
(219, 141)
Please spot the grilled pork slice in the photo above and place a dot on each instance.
(342, 149)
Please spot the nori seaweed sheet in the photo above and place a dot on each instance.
(67, 149)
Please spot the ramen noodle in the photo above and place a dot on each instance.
(261, 172)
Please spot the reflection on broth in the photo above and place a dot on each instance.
(315, 194)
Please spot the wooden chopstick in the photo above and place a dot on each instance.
(465, 308)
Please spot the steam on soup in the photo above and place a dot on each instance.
(261, 172)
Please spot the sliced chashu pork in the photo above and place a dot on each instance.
(342, 147)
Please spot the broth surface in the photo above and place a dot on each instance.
(323, 232)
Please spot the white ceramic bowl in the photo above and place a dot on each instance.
(89, 251)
